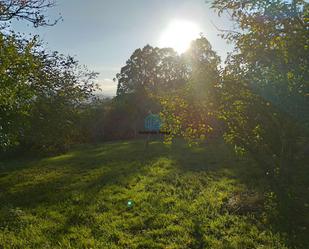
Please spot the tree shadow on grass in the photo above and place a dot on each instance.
(84, 170)
(77, 177)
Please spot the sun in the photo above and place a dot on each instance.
(179, 35)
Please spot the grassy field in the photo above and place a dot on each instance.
(181, 197)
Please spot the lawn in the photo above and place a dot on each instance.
(123, 195)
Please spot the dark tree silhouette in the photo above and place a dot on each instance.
(151, 69)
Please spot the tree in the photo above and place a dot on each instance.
(270, 64)
(147, 74)
(272, 50)
(191, 110)
(94, 117)
(28, 10)
(61, 88)
(40, 95)
(152, 70)
(18, 66)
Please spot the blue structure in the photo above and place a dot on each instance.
(153, 123)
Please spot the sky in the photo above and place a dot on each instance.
(102, 34)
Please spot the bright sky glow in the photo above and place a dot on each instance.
(97, 38)
(179, 34)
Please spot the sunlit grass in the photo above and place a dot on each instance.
(182, 198)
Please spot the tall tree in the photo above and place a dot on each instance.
(191, 110)
(147, 74)
(151, 69)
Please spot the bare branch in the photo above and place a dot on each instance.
(30, 10)
(225, 30)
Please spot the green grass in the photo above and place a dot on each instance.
(201, 197)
